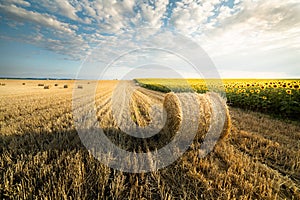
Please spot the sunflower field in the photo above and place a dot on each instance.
(277, 97)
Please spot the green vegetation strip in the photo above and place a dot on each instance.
(277, 97)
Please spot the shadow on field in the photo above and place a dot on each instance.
(57, 165)
(69, 140)
(38, 142)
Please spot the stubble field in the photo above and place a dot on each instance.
(42, 156)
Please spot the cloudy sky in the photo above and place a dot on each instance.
(243, 38)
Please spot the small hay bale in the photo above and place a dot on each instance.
(55, 84)
(23, 83)
(65, 86)
(2, 84)
(41, 84)
(46, 87)
(80, 87)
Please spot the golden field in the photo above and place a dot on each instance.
(42, 156)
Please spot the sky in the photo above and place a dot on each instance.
(88, 39)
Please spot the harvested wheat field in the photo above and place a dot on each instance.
(42, 156)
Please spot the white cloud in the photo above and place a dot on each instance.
(152, 16)
(66, 9)
(18, 2)
(88, 9)
(59, 7)
(190, 16)
(115, 16)
(22, 15)
(260, 35)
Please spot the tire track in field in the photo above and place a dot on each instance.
(133, 110)
(155, 96)
(136, 108)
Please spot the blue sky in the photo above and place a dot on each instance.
(244, 38)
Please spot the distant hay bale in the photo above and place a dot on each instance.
(174, 113)
(41, 84)
(65, 86)
(80, 87)
(46, 87)
(55, 84)
(3, 84)
(23, 83)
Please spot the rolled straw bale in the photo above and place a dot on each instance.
(172, 107)
(181, 119)
(204, 116)
(227, 123)
(205, 101)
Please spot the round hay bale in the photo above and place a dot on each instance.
(204, 116)
(23, 83)
(182, 118)
(55, 84)
(205, 102)
(65, 86)
(80, 87)
(46, 87)
(41, 84)
(227, 123)
(172, 107)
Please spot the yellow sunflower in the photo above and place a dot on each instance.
(288, 91)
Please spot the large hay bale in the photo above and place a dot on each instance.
(65, 86)
(172, 107)
(204, 116)
(205, 102)
(227, 123)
